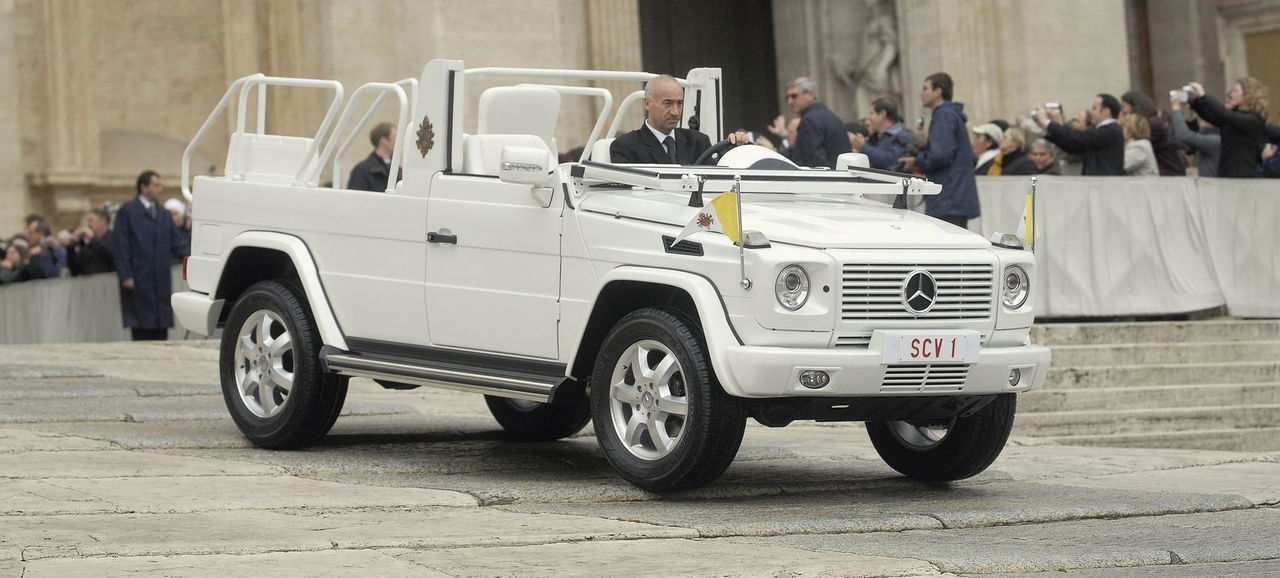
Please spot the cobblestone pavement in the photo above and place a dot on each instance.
(119, 459)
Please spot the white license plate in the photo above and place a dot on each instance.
(937, 348)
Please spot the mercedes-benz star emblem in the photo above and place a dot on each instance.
(919, 292)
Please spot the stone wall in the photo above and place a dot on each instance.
(107, 88)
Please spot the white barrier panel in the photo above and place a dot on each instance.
(76, 310)
(1241, 220)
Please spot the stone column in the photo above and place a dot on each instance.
(73, 132)
(1007, 57)
(282, 54)
(13, 189)
(613, 43)
(1184, 46)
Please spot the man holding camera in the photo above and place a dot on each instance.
(1102, 145)
(889, 141)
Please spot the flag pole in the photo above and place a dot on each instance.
(1031, 215)
(742, 241)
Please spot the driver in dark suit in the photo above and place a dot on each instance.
(660, 140)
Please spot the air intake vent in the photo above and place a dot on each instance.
(686, 247)
(873, 292)
(860, 341)
(939, 377)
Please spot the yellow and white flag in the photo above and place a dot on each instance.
(1028, 219)
(720, 216)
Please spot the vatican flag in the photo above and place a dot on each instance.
(1028, 219)
(720, 216)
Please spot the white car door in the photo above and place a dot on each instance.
(493, 266)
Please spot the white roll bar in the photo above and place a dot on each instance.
(260, 82)
(403, 119)
(622, 110)
(411, 84)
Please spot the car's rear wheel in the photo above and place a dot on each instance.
(533, 421)
(942, 451)
(272, 382)
(662, 420)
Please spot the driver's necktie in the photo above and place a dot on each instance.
(670, 143)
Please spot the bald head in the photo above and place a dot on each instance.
(663, 103)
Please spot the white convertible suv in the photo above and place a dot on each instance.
(557, 292)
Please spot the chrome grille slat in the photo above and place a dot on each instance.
(872, 292)
(901, 378)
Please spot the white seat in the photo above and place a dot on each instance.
(267, 158)
(482, 153)
(600, 151)
(520, 110)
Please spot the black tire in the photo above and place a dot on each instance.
(269, 416)
(969, 445)
(532, 421)
(704, 440)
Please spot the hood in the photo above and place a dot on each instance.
(959, 106)
(810, 221)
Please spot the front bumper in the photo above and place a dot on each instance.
(765, 372)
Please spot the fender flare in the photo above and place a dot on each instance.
(712, 315)
(304, 262)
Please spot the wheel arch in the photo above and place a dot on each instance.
(259, 256)
(626, 289)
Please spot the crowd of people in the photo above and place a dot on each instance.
(1197, 135)
(37, 252)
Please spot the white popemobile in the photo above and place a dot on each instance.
(557, 290)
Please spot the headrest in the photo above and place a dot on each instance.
(600, 151)
(520, 110)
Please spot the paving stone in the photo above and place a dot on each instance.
(272, 565)
(120, 464)
(1122, 543)
(660, 557)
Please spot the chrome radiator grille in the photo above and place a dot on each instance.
(873, 291)
(936, 377)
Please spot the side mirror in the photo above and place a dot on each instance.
(846, 160)
(524, 165)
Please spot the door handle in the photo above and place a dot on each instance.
(434, 237)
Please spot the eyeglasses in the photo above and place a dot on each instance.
(791, 95)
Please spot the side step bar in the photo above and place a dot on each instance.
(537, 388)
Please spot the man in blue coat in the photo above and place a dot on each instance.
(145, 241)
(821, 137)
(947, 159)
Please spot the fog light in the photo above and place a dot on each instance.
(1015, 376)
(814, 379)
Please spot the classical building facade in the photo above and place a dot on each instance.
(98, 90)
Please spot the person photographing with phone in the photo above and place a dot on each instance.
(1102, 145)
(1242, 120)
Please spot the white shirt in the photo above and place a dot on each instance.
(661, 137)
(145, 203)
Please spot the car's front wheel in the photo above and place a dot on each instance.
(272, 382)
(662, 420)
(949, 450)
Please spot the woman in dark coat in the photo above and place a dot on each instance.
(1243, 121)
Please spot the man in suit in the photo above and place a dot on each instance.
(661, 140)
(1102, 146)
(144, 242)
(372, 172)
(821, 136)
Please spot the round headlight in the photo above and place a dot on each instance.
(1015, 288)
(792, 287)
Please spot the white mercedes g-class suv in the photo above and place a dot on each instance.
(555, 289)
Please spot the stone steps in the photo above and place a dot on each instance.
(1150, 397)
(1260, 439)
(1155, 332)
(1164, 353)
(1163, 374)
(1211, 384)
(1129, 421)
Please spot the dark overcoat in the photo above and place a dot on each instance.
(144, 248)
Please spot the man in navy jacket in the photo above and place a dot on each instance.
(821, 137)
(145, 241)
(947, 158)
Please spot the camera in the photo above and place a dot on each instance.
(1052, 106)
(1181, 94)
